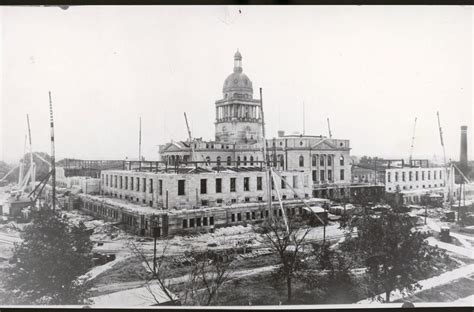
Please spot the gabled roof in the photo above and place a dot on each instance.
(176, 146)
(324, 144)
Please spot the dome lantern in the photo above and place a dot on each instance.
(237, 62)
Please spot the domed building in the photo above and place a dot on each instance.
(238, 142)
(238, 113)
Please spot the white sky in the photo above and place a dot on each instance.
(371, 70)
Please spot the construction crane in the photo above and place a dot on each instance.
(22, 162)
(32, 163)
(329, 129)
(8, 173)
(53, 164)
(190, 137)
(412, 143)
(447, 189)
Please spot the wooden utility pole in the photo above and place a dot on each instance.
(140, 142)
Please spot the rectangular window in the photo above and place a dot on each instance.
(233, 217)
(260, 198)
(198, 221)
(321, 160)
(440, 174)
(403, 176)
(266, 213)
(185, 223)
(283, 184)
(247, 215)
(232, 184)
(253, 215)
(218, 185)
(315, 173)
(389, 177)
(416, 175)
(247, 199)
(160, 187)
(151, 186)
(203, 186)
(259, 183)
(429, 175)
(219, 200)
(409, 175)
(211, 220)
(181, 190)
(204, 221)
(246, 184)
(422, 175)
(144, 185)
(138, 184)
(341, 176)
(126, 183)
(115, 181)
(191, 223)
(131, 184)
(121, 182)
(239, 216)
(434, 175)
(306, 180)
(204, 202)
(329, 175)
(321, 175)
(396, 176)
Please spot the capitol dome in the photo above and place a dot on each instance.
(237, 82)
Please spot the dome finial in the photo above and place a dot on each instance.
(237, 62)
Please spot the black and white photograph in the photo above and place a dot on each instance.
(236, 156)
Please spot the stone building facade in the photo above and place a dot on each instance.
(175, 191)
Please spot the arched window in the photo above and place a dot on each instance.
(341, 160)
(329, 160)
(208, 160)
(282, 161)
(274, 160)
(321, 160)
(229, 160)
(218, 160)
(238, 160)
(314, 161)
(251, 160)
(301, 161)
(245, 160)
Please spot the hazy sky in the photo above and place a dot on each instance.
(371, 70)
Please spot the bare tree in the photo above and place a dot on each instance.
(286, 239)
(158, 269)
(206, 279)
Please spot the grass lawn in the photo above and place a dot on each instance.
(445, 293)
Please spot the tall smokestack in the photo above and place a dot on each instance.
(463, 157)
